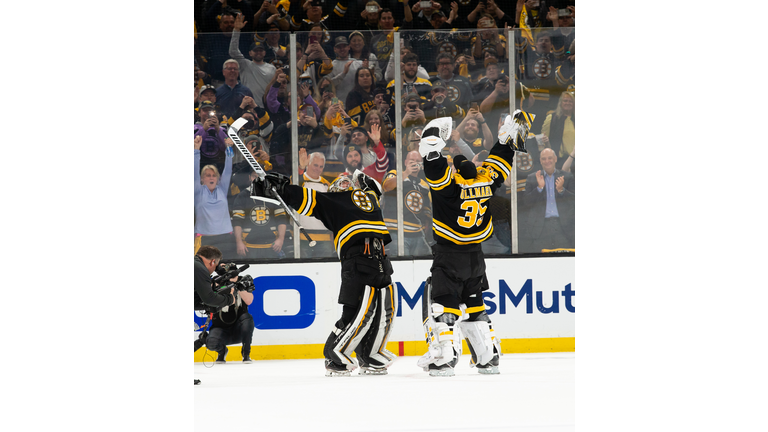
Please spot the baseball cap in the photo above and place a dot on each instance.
(206, 104)
(464, 167)
(438, 85)
(351, 147)
(359, 129)
(257, 45)
(490, 61)
(412, 97)
(206, 87)
(341, 40)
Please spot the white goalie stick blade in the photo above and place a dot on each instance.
(265, 199)
(232, 133)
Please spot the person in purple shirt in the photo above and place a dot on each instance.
(213, 136)
(212, 220)
(230, 94)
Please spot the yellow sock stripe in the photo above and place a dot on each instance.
(475, 309)
(456, 312)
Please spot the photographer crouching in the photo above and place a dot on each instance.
(225, 298)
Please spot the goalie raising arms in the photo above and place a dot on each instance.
(453, 300)
(350, 210)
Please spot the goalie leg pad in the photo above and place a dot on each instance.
(439, 329)
(483, 344)
(372, 354)
(343, 341)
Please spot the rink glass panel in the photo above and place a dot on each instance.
(468, 93)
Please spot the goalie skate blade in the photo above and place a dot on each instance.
(493, 370)
(441, 372)
(333, 373)
(373, 371)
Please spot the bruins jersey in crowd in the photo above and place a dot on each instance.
(420, 85)
(258, 219)
(351, 215)
(415, 205)
(460, 216)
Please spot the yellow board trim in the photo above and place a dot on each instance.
(410, 348)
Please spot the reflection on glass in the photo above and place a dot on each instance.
(346, 119)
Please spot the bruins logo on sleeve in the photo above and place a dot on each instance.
(362, 200)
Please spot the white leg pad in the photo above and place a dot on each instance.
(478, 334)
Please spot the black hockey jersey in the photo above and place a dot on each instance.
(350, 215)
(415, 205)
(459, 207)
(258, 219)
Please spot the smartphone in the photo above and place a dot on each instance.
(309, 111)
(425, 4)
(563, 12)
(371, 9)
(312, 39)
(335, 100)
(473, 105)
(347, 121)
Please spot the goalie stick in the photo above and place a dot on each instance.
(232, 133)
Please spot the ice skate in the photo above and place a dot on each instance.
(332, 369)
(443, 370)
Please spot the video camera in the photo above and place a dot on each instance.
(226, 272)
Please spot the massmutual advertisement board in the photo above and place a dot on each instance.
(530, 299)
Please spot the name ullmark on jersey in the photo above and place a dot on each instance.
(476, 192)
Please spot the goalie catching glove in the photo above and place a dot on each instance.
(367, 183)
(515, 129)
(434, 137)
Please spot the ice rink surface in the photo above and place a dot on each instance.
(534, 392)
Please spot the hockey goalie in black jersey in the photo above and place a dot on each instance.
(350, 210)
(453, 302)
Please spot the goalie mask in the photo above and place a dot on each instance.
(341, 184)
(434, 136)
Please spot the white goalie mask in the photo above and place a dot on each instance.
(341, 183)
(435, 135)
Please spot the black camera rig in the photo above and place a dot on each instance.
(226, 272)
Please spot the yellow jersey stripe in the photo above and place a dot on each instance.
(442, 182)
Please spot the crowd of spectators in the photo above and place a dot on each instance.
(454, 58)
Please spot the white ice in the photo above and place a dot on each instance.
(534, 392)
